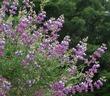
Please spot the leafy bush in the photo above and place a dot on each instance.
(34, 62)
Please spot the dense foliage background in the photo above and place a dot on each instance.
(85, 18)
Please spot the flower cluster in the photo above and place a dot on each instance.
(23, 24)
(41, 17)
(97, 54)
(88, 85)
(8, 30)
(29, 58)
(2, 45)
(80, 50)
(10, 7)
(4, 86)
(54, 25)
(14, 7)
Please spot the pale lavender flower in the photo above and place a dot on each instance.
(58, 86)
(78, 88)
(13, 8)
(65, 59)
(91, 71)
(35, 36)
(79, 51)
(73, 91)
(5, 5)
(54, 25)
(2, 45)
(24, 22)
(98, 53)
(84, 86)
(67, 90)
(5, 86)
(59, 50)
(44, 46)
(98, 84)
(26, 39)
(2, 94)
(72, 70)
(41, 17)
(1, 27)
(30, 57)
(8, 30)
(19, 53)
(65, 42)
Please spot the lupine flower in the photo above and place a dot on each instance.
(44, 46)
(41, 17)
(80, 49)
(13, 9)
(18, 53)
(26, 38)
(97, 54)
(84, 86)
(91, 71)
(54, 25)
(36, 35)
(72, 70)
(59, 50)
(56, 49)
(67, 90)
(6, 2)
(5, 5)
(22, 25)
(65, 59)
(2, 94)
(87, 85)
(58, 86)
(2, 45)
(73, 91)
(4, 86)
(98, 84)
(29, 58)
(1, 27)
(9, 32)
(65, 42)
(2, 14)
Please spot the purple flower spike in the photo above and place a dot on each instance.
(41, 17)
(58, 86)
(80, 49)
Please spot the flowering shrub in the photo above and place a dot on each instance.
(34, 63)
